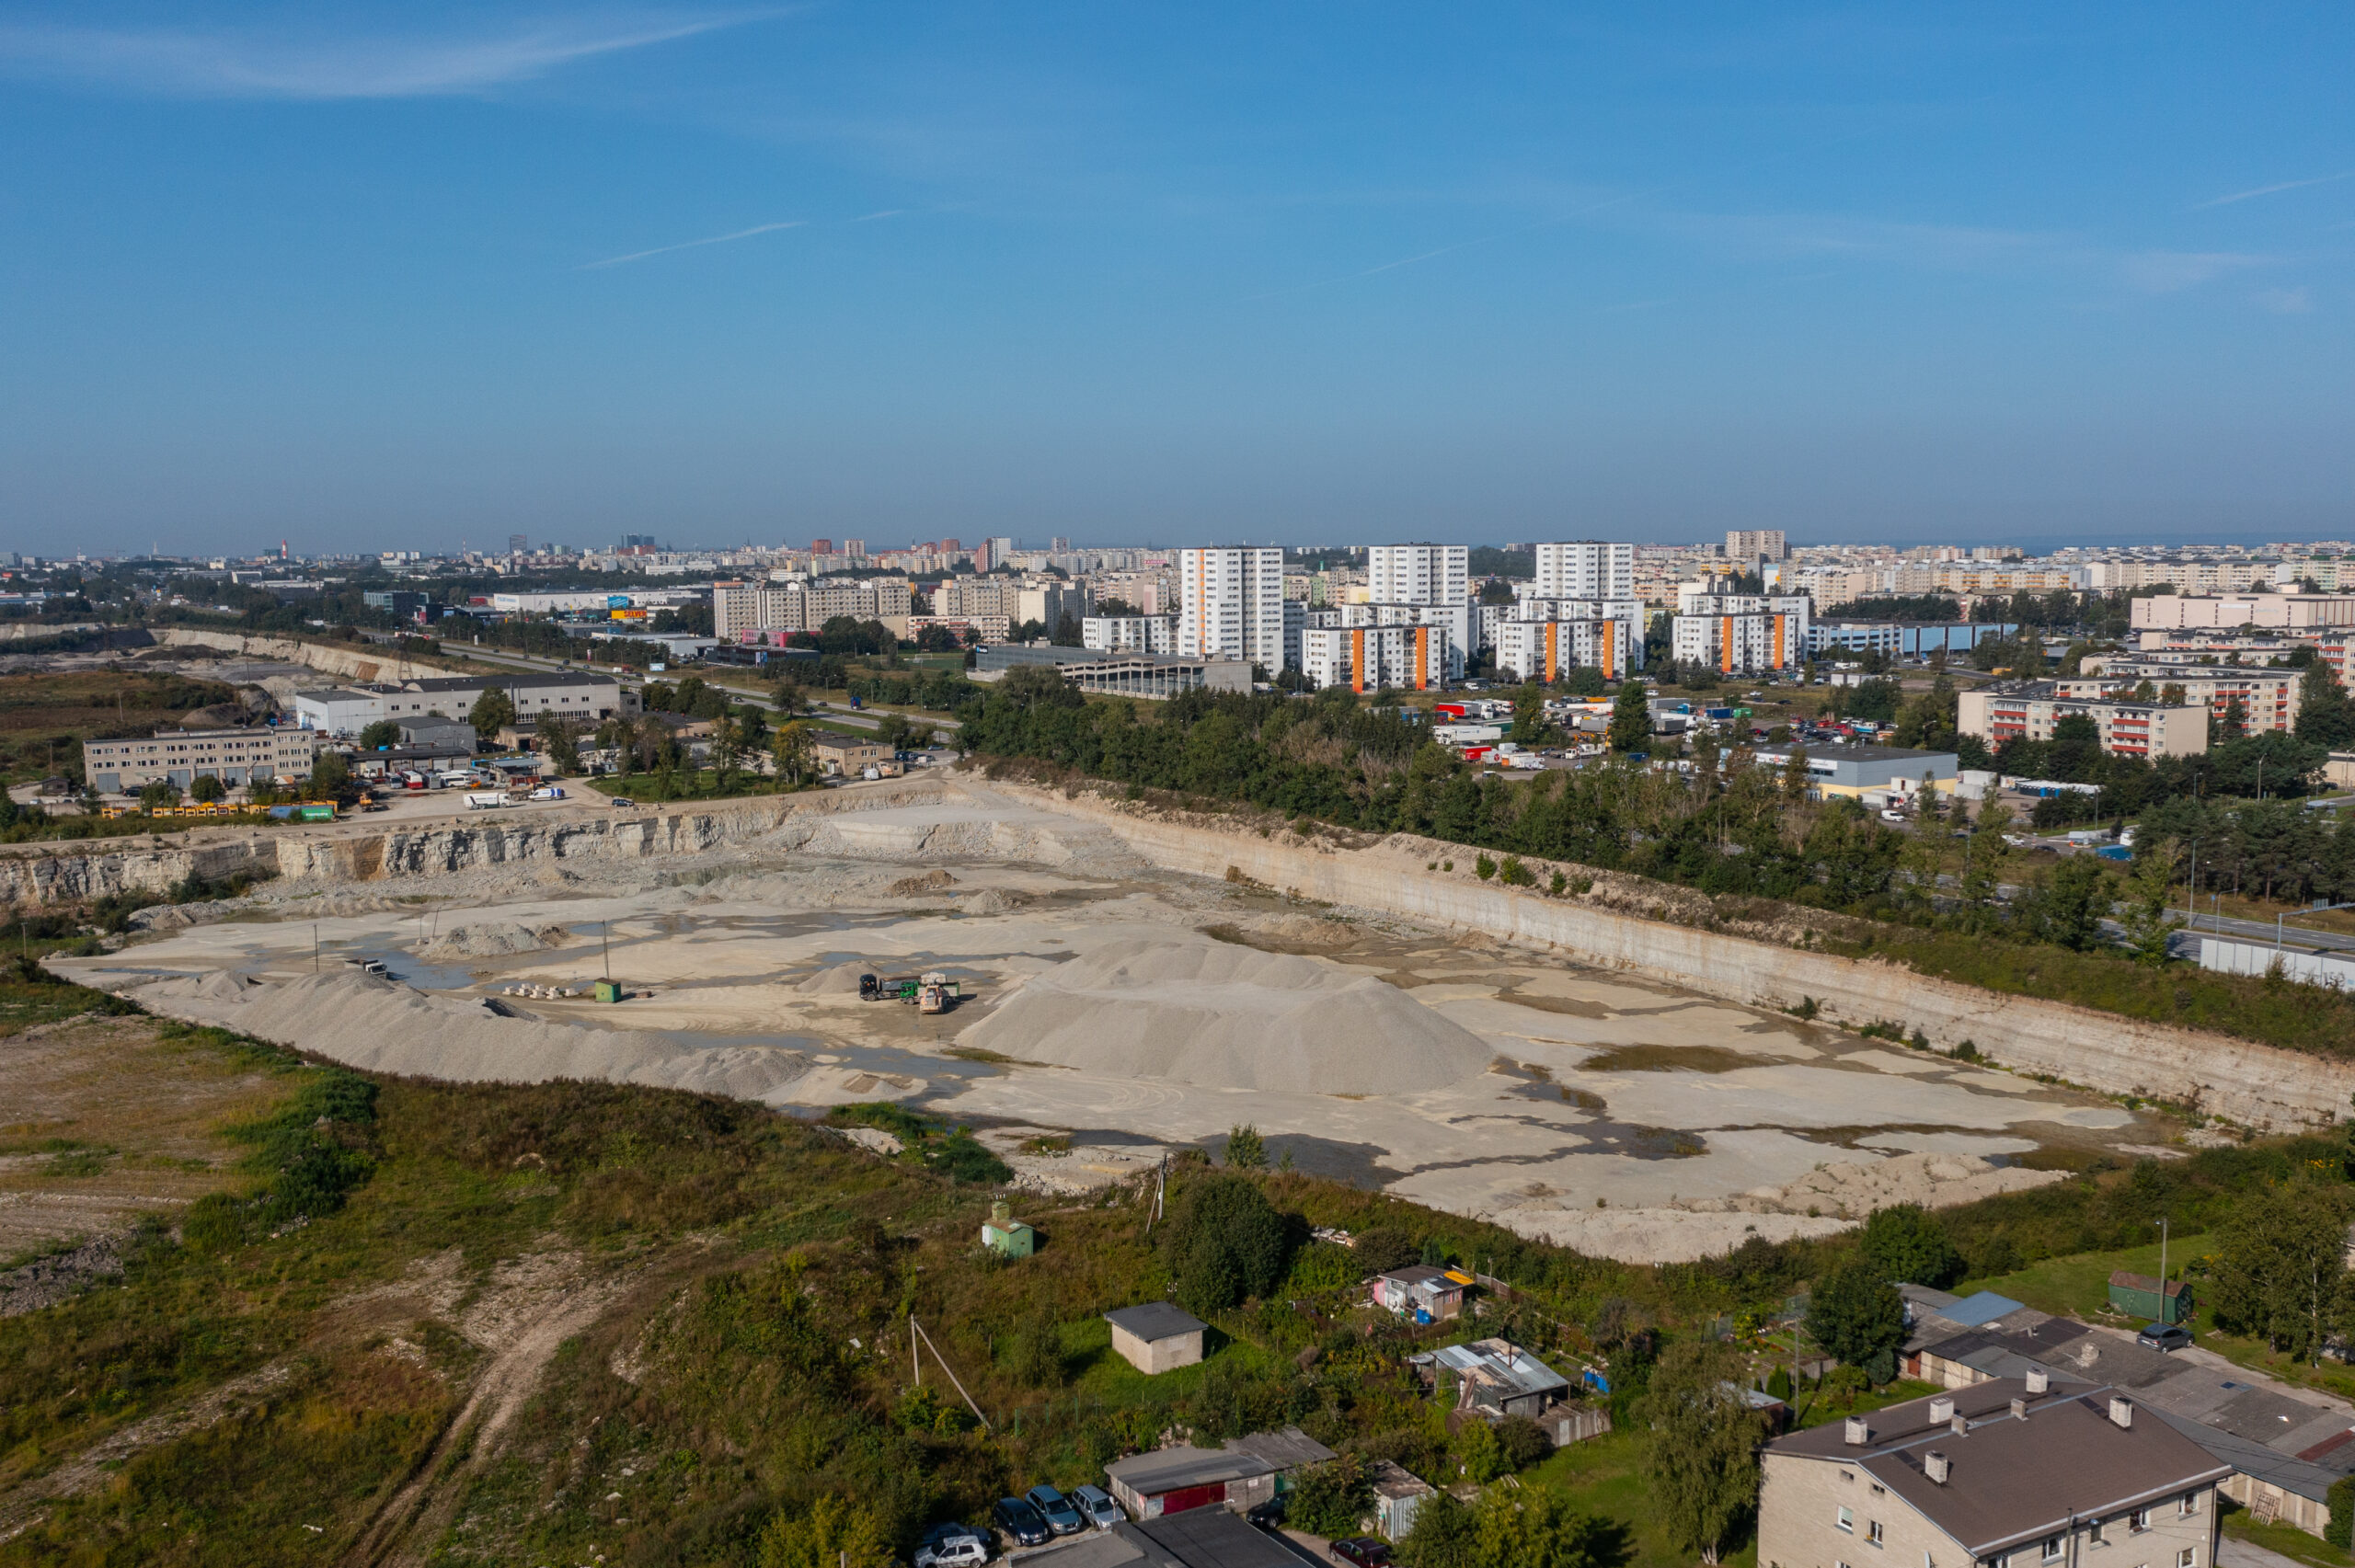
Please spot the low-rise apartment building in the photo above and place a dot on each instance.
(2016, 1473)
(2268, 698)
(2292, 612)
(741, 607)
(1130, 634)
(2028, 710)
(1548, 650)
(235, 756)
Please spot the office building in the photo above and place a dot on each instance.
(1230, 604)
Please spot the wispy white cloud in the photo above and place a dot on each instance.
(257, 65)
(690, 245)
(2273, 189)
(2172, 271)
(2285, 302)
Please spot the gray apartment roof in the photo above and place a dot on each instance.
(2293, 1442)
(1287, 1449)
(2017, 1478)
(513, 678)
(1156, 1320)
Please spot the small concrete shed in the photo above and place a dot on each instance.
(1157, 1336)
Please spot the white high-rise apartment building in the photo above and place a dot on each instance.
(1230, 604)
(1585, 570)
(1755, 544)
(1417, 574)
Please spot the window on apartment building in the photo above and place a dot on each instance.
(1872, 1532)
(2053, 1545)
(2095, 1535)
(1848, 1520)
(2139, 1520)
(2188, 1558)
(2186, 1505)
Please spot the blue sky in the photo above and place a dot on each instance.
(362, 277)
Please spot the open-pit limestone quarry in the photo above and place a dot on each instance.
(1113, 993)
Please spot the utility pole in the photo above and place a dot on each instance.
(314, 949)
(2163, 1265)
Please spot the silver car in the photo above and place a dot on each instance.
(1096, 1506)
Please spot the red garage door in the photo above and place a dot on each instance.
(1186, 1497)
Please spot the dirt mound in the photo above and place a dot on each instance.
(1221, 1016)
(932, 881)
(993, 901)
(495, 939)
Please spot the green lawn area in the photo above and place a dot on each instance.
(2078, 1285)
(1604, 1476)
(2288, 1540)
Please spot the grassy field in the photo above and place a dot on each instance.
(2078, 1285)
(45, 717)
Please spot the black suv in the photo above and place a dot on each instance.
(1018, 1519)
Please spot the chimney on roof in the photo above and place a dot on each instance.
(1941, 1409)
(2121, 1411)
(2019, 1410)
(2039, 1380)
(1934, 1465)
(1961, 1424)
(1856, 1431)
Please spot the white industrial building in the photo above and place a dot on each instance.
(1230, 604)
(587, 699)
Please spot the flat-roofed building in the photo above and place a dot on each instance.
(2029, 710)
(1366, 658)
(235, 756)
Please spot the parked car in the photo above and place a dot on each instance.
(1364, 1550)
(1268, 1516)
(953, 1546)
(1056, 1508)
(1096, 1506)
(1024, 1525)
(2163, 1336)
(625, 801)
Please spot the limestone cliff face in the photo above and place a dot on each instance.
(2258, 1085)
(74, 876)
(363, 662)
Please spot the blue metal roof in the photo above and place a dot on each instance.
(1984, 1307)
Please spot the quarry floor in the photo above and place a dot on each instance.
(1134, 1010)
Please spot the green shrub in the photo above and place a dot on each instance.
(1226, 1243)
(2341, 1498)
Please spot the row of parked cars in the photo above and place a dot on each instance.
(1032, 1519)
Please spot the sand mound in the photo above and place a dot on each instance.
(993, 901)
(495, 939)
(1221, 1016)
(835, 979)
(380, 1025)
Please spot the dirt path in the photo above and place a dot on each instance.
(524, 1318)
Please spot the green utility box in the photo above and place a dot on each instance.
(609, 990)
(2139, 1295)
(1006, 1235)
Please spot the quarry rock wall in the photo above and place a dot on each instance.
(79, 877)
(363, 663)
(2255, 1084)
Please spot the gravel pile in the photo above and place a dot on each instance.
(1217, 1015)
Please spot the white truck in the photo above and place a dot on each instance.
(484, 799)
